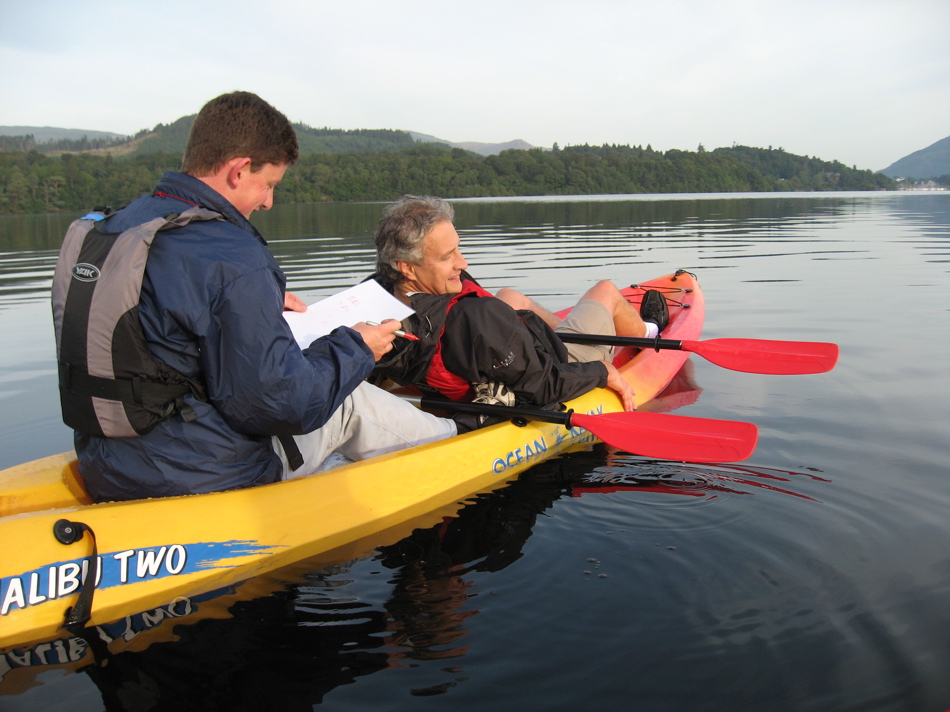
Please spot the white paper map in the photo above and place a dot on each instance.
(367, 301)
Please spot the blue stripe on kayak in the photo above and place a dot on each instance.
(120, 568)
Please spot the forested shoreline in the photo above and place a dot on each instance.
(32, 182)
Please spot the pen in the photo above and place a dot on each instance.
(398, 332)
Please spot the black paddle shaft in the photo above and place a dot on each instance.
(546, 416)
(620, 341)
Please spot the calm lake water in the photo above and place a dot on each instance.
(813, 576)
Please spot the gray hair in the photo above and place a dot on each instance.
(400, 233)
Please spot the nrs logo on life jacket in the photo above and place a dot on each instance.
(85, 272)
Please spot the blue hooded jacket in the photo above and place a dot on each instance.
(210, 307)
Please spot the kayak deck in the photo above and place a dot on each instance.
(150, 551)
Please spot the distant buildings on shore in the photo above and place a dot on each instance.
(914, 184)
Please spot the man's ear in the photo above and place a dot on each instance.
(236, 169)
(407, 269)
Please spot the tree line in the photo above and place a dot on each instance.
(172, 138)
(31, 181)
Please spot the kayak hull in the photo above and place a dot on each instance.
(151, 551)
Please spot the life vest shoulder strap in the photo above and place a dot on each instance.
(439, 376)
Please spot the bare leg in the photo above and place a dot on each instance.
(627, 321)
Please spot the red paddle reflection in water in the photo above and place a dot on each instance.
(657, 476)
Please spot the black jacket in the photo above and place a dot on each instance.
(485, 340)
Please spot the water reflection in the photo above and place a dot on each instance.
(628, 473)
(25, 277)
(326, 247)
(410, 604)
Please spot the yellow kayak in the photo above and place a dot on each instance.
(152, 551)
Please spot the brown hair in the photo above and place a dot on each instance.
(400, 233)
(238, 125)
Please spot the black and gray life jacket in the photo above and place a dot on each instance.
(109, 383)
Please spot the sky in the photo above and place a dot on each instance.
(866, 82)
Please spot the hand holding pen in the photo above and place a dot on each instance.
(397, 332)
(379, 338)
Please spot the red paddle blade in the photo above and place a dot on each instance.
(764, 356)
(672, 437)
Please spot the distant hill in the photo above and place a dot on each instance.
(171, 138)
(373, 169)
(327, 140)
(788, 171)
(930, 162)
(48, 139)
(163, 138)
(489, 149)
(426, 138)
(49, 133)
(484, 149)
(174, 137)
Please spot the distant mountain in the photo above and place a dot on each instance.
(327, 140)
(485, 149)
(49, 133)
(171, 138)
(488, 149)
(164, 138)
(426, 138)
(930, 162)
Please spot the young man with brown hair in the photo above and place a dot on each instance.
(227, 378)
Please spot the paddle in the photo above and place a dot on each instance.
(748, 355)
(658, 435)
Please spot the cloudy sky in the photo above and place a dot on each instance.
(862, 81)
